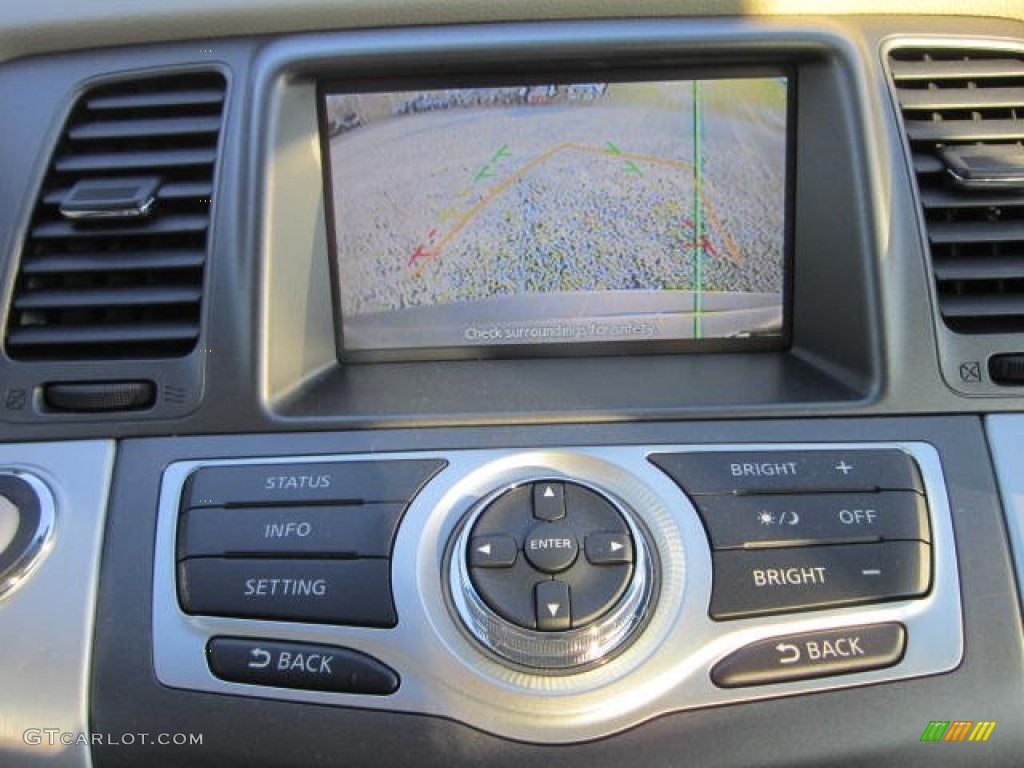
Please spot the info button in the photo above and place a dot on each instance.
(812, 654)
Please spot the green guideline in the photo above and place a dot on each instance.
(698, 221)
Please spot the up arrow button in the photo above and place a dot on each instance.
(548, 501)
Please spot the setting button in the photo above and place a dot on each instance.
(548, 501)
(552, 604)
(812, 654)
(551, 547)
(609, 548)
(735, 522)
(755, 582)
(299, 665)
(354, 592)
(791, 471)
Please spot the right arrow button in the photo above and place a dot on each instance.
(609, 548)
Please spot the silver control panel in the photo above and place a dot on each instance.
(556, 595)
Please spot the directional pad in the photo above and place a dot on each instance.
(524, 552)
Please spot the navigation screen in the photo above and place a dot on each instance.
(577, 213)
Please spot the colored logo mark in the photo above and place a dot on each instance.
(958, 730)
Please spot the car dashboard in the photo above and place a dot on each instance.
(353, 409)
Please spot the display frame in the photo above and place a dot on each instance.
(573, 73)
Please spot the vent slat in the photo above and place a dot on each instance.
(136, 129)
(975, 228)
(52, 336)
(982, 306)
(122, 287)
(980, 268)
(927, 163)
(87, 298)
(935, 197)
(184, 190)
(119, 161)
(165, 225)
(962, 98)
(959, 232)
(55, 264)
(942, 131)
(174, 190)
(196, 96)
(956, 70)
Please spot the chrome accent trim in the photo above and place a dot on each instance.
(47, 622)
(666, 667)
(1006, 443)
(39, 546)
(102, 214)
(987, 182)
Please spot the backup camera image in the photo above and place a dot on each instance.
(561, 213)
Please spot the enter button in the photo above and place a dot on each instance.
(551, 547)
(812, 654)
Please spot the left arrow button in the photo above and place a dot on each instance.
(493, 551)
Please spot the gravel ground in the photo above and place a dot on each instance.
(463, 204)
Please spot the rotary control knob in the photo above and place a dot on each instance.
(551, 574)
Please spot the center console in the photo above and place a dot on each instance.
(556, 594)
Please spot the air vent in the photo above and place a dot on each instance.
(969, 103)
(112, 265)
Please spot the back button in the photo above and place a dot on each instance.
(299, 665)
(812, 654)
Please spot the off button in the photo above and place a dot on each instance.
(812, 654)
